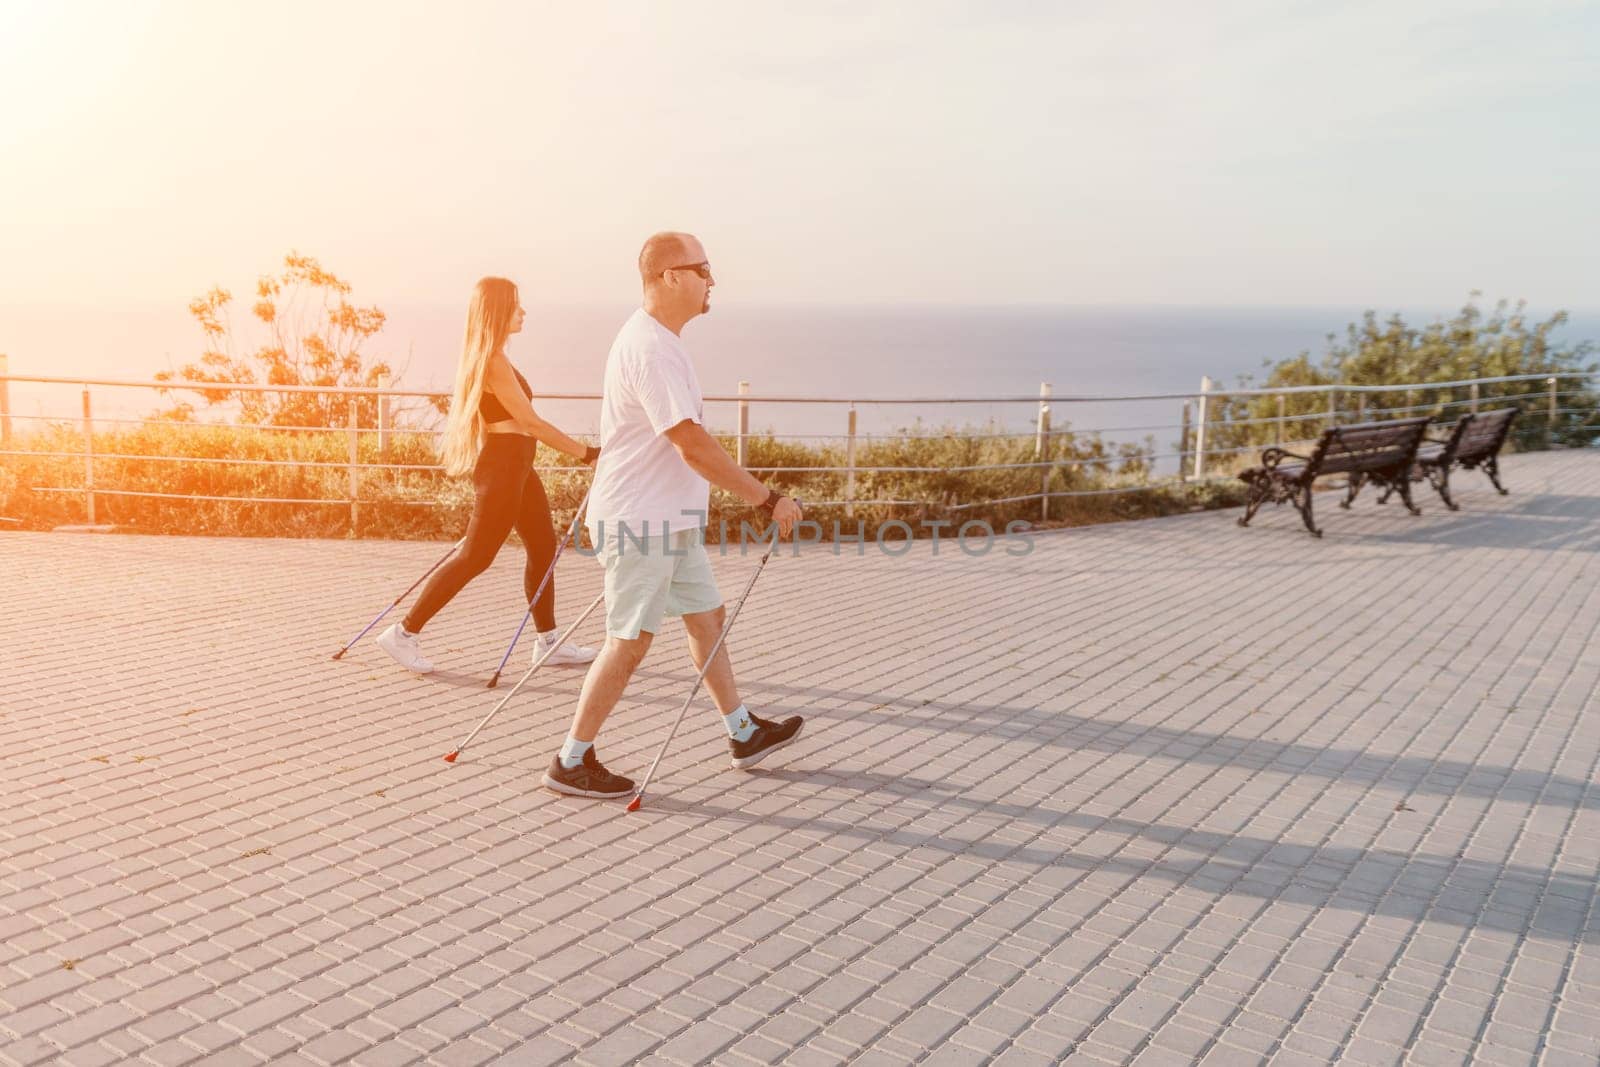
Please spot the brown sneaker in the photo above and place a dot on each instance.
(587, 779)
(768, 738)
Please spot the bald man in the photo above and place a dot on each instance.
(646, 516)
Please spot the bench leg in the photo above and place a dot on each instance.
(1491, 467)
(1356, 482)
(1403, 484)
(1439, 478)
(1302, 503)
(1258, 496)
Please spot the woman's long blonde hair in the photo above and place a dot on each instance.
(494, 302)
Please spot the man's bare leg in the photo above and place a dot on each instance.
(576, 770)
(703, 628)
(751, 738)
(607, 678)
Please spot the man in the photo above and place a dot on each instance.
(646, 515)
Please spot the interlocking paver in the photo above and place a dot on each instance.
(1087, 803)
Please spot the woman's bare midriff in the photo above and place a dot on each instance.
(506, 426)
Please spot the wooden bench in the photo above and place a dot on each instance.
(1378, 451)
(1474, 443)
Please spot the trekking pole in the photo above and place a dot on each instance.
(548, 574)
(340, 654)
(633, 805)
(451, 758)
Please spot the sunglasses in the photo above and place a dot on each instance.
(702, 268)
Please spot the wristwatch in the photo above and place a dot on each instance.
(771, 503)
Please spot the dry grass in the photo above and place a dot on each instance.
(424, 504)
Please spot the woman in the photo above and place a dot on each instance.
(493, 432)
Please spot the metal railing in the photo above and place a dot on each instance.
(1194, 455)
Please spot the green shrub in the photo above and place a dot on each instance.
(1469, 345)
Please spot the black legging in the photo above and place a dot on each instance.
(509, 494)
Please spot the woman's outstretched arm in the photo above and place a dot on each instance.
(502, 382)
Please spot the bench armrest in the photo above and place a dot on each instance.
(1271, 457)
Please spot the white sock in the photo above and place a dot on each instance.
(405, 632)
(739, 723)
(549, 637)
(572, 752)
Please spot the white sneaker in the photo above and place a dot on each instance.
(566, 654)
(404, 649)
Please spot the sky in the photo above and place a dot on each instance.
(1228, 154)
(1261, 154)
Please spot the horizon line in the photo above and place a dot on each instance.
(1043, 305)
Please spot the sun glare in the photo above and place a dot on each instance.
(26, 36)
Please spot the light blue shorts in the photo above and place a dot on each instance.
(644, 584)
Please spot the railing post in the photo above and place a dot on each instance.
(1472, 400)
(850, 463)
(383, 417)
(1204, 413)
(1550, 427)
(744, 424)
(1041, 449)
(1282, 399)
(88, 454)
(1333, 407)
(5, 402)
(1183, 445)
(1361, 407)
(355, 474)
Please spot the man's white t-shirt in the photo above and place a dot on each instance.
(650, 386)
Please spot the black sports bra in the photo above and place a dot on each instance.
(489, 405)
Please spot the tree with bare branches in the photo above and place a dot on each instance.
(309, 333)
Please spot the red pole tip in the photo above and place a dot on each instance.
(339, 654)
(493, 682)
(633, 805)
(452, 757)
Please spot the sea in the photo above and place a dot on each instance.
(867, 354)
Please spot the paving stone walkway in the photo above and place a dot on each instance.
(1158, 792)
